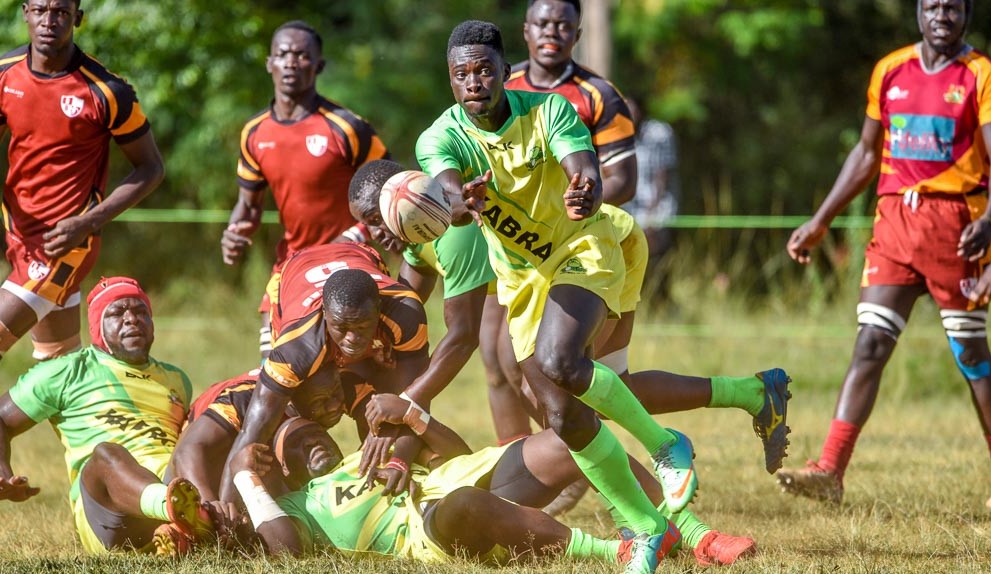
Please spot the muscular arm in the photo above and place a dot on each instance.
(246, 217)
(422, 280)
(13, 422)
(619, 181)
(452, 183)
(463, 318)
(860, 167)
(201, 445)
(261, 420)
(974, 238)
(585, 166)
(148, 172)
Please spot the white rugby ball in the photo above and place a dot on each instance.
(414, 207)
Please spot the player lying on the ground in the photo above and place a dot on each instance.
(538, 467)
(111, 396)
(446, 514)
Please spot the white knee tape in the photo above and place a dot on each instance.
(965, 324)
(871, 314)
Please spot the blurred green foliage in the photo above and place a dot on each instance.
(766, 96)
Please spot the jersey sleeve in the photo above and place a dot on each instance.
(984, 94)
(123, 114)
(370, 146)
(412, 254)
(613, 135)
(435, 151)
(230, 406)
(294, 505)
(297, 354)
(38, 392)
(566, 132)
(464, 256)
(249, 172)
(874, 91)
(406, 321)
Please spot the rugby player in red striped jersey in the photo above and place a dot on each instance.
(61, 108)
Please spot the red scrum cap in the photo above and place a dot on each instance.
(108, 290)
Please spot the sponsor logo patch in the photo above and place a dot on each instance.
(925, 138)
(896, 93)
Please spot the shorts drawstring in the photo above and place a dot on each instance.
(912, 198)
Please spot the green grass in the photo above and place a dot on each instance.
(915, 492)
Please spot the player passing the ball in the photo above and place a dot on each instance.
(533, 184)
(928, 121)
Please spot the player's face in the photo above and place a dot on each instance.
(371, 215)
(294, 62)
(50, 24)
(477, 75)
(353, 328)
(128, 330)
(310, 452)
(321, 398)
(551, 30)
(942, 23)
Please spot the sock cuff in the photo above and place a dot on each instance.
(845, 429)
(599, 388)
(598, 449)
(152, 502)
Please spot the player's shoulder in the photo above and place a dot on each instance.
(518, 71)
(14, 56)
(335, 112)
(977, 61)
(96, 72)
(590, 80)
(898, 57)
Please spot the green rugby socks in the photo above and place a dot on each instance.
(609, 395)
(584, 545)
(153, 501)
(746, 393)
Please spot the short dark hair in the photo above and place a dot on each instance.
(303, 26)
(576, 3)
(349, 289)
(476, 33)
(366, 185)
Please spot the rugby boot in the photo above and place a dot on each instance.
(770, 424)
(674, 468)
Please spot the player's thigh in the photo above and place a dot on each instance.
(572, 318)
(60, 324)
(617, 336)
(897, 298)
(16, 315)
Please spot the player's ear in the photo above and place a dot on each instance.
(79, 18)
(578, 34)
(507, 71)
(321, 65)
(268, 64)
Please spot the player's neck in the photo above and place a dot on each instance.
(935, 60)
(293, 107)
(494, 119)
(547, 78)
(52, 63)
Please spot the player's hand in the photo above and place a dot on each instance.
(981, 293)
(66, 236)
(473, 194)
(579, 198)
(385, 408)
(804, 239)
(255, 457)
(375, 451)
(236, 240)
(974, 240)
(394, 475)
(227, 519)
(16, 489)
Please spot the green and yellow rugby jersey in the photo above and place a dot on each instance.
(525, 218)
(90, 397)
(460, 256)
(339, 510)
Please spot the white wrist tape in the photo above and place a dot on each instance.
(259, 503)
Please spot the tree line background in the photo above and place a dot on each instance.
(766, 97)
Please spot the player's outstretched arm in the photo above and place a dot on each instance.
(148, 172)
(393, 409)
(859, 168)
(13, 421)
(619, 180)
(278, 531)
(584, 194)
(421, 280)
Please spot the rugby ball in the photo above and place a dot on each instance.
(414, 207)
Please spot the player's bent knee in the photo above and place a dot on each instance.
(44, 350)
(885, 320)
(618, 361)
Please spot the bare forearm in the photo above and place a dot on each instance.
(619, 181)
(135, 187)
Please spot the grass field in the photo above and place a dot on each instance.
(915, 492)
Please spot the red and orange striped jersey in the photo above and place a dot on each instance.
(60, 130)
(598, 103)
(302, 343)
(932, 122)
(308, 164)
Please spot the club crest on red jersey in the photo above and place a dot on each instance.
(316, 144)
(72, 106)
(954, 94)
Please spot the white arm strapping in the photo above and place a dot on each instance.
(261, 506)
